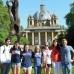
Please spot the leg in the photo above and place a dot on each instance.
(25, 70)
(64, 68)
(3, 68)
(18, 68)
(54, 67)
(14, 70)
(48, 70)
(8, 66)
(69, 68)
(58, 68)
(35, 70)
(29, 70)
(39, 70)
(44, 70)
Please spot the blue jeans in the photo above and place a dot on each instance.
(37, 70)
(67, 68)
(5, 68)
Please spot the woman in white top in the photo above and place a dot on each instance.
(47, 60)
(5, 57)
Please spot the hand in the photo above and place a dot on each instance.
(44, 65)
(72, 60)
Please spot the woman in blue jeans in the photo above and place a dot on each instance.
(37, 60)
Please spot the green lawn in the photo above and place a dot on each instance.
(42, 71)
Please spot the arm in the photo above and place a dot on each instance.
(71, 49)
(33, 54)
(73, 54)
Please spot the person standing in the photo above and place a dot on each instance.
(37, 60)
(56, 57)
(46, 59)
(5, 56)
(15, 58)
(66, 57)
(27, 60)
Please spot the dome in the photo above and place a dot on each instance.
(43, 14)
(54, 16)
(36, 16)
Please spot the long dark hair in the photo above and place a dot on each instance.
(52, 45)
(24, 50)
(14, 48)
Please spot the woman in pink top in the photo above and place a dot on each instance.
(47, 60)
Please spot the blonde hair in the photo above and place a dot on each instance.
(36, 48)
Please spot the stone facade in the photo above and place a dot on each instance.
(42, 27)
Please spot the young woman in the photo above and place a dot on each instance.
(56, 57)
(27, 60)
(15, 58)
(37, 60)
(47, 60)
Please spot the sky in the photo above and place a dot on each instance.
(28, 7)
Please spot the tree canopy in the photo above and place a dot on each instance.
(70, 23)
(4, 22)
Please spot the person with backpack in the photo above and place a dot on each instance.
(5, 56)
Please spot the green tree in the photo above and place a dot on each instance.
(13, 39)
(61, 36)
(1, 2)
(4, 22)
(70, 23)
(3, 35)
(24, 40)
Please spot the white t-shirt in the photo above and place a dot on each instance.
(5, 55)
(47, 56)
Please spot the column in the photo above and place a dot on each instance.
(52, 35)
(39, 38)
(27, 35)
(32, 38)
(46, 37)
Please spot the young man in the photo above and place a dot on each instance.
(5, 57)
(66, 57)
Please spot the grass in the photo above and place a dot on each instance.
(42, 71)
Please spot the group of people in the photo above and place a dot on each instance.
(56, 56)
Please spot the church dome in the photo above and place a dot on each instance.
(43, 14)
